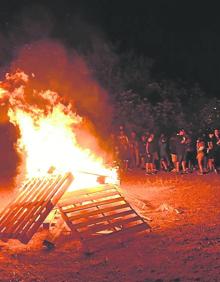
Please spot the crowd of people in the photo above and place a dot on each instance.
(180, 152)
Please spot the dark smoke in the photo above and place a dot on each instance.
(9, 158)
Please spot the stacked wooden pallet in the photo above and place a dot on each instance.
(89, 214)
(98, 212)
(36, 198)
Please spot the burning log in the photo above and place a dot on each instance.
(100, 178)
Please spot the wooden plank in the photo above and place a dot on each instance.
(103, 218)
(99, 211)
(13, 215)
(94, 204)
(102, 227)
(120, 234)
(33, 224)
(23, 213)
(88, 191)
(44, 196)
(23, 216)
(87, 197)
(8, 211)
(95, 215)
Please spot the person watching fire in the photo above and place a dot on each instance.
(200, 147)
(181, 151)
(163, 152)
(151, 155)
(124, 150)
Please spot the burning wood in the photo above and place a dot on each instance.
(48, 136)
(48, 139)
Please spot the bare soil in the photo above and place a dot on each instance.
(183, 244)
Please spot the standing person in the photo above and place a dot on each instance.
(217, 136)
(147, 134)
(200, 147)
(142, 151)
(190, 154)
(217, 146)
(124, 152)
(151, 154)
(173, 150)
(181, 151)
(163, 152)
(211, 165)
(134, 150)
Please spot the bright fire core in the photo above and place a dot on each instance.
(47, 137)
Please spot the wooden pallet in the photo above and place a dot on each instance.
(100, 212)
(36, 198)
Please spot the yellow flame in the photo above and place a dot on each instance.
(48, 140)
(2, 92)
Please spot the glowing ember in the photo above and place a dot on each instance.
(47, 135)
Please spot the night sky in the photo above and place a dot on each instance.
(182, 37)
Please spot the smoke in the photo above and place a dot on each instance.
(24, 44)
(51, 67)
(9, 158)
(66, 73)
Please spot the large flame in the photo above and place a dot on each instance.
(47, 135)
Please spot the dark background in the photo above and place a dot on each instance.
(182, 37)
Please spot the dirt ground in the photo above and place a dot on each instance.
(183, 244)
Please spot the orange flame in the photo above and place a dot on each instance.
(47, 136)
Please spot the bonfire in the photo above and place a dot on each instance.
(53, 165)
(47, 126)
